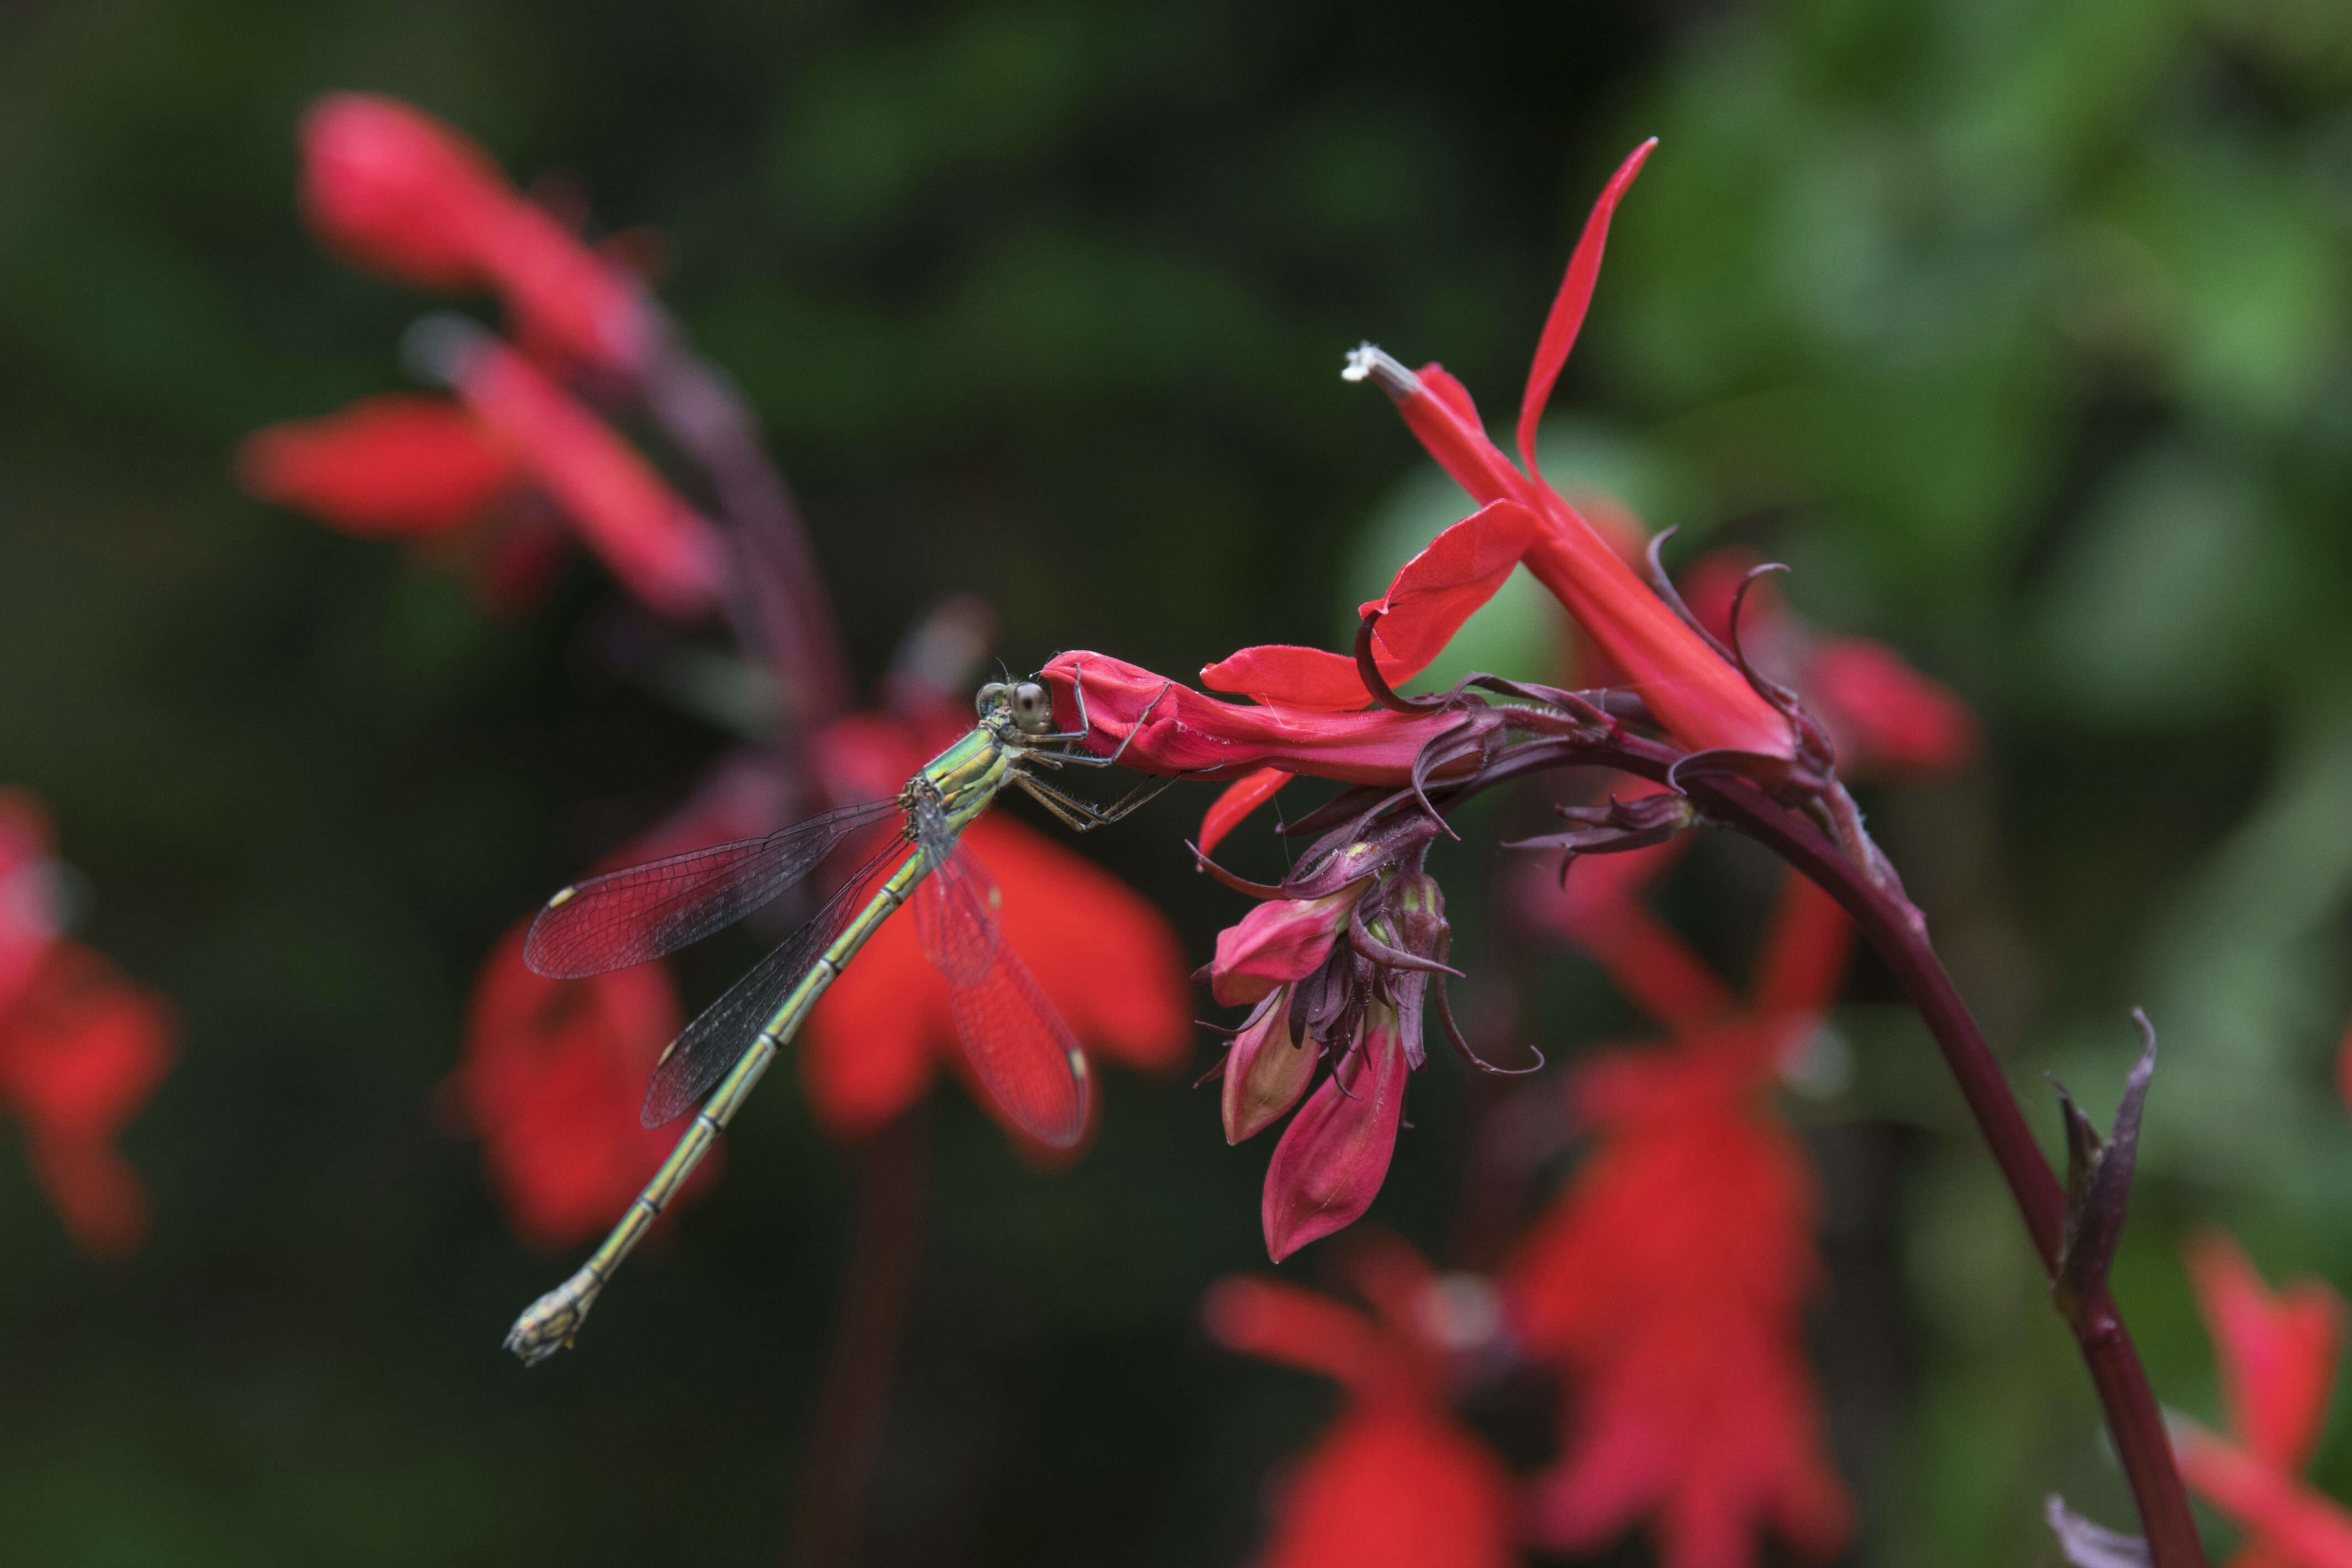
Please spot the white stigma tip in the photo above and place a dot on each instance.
(561, 899)
(1370, 362)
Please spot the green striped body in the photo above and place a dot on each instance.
(963, 780)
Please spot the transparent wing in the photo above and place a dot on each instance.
(634, 915)
(723, 1031)
(1019, 1048)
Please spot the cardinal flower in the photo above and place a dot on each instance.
(1701, 698)
(82, 1046)
(2278, 1356)
(1670, 1279)
(397, 192)
(1395, 1479)
(1104, 957)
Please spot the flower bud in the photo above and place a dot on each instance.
(1280, 941)
(1266, 1071)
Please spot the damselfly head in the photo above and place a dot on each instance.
(1028, 702)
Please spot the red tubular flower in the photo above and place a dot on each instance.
(1102, 955)
(1179, 731)
(1670, 1279)
(1395, 1479)
(394, 465)
(550, 1080)
(82, 1046)
(1703, 701)
(2278, 1355)
(395, 191)
(663, 549)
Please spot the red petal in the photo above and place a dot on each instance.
(550, 1080)
(2278, 1350)
(1447, 422)
(1806, 948)
(389, 465)
(1335, 1154)
(395, 191)
(1389, 1488)
(84, 1046)
(1278, 674)
(1295, 1328)
(1441, 587)
(1232, 807)
(1884, 714)
(2310, 1530)
(1102, 955)
(1568, 307)
(657, 545)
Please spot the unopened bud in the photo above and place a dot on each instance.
(1265, 1073)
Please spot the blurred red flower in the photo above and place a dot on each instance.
(553, 1074)
(1395, 1479)
(1103, 955)
(2278, 1355)
(82, 1046)
(394, 465)
(1669, 1281)
(396, 191)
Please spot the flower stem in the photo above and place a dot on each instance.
(846, 1432)
(1894, 927)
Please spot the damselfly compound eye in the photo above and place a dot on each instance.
(1033, 708)
(990, 696)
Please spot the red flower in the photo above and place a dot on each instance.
(1670, 1279)
(1102, 955)
(397, 192)
(659, 547)
(1179, 731)
(82, 1046)
(2278, 1355)
(1703, 701)
(551, 1077)
(1395, 1479)
(1280, 941)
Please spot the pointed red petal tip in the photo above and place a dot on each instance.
(1233, 806)
(1335, 1154)
(1575, 297)
(396, 465)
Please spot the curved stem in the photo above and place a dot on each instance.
(845, 1433)
(1892, 927)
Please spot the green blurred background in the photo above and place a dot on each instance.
(2020, 329)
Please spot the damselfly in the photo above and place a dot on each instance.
(1019, 1047)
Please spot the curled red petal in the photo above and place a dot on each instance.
(1440, 588)
(1234, 806)
(664, 550)
(1575, 297)
(391, 466)
(1335, 1154)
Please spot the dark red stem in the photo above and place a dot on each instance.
(1892, 928)
(846, 1432)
